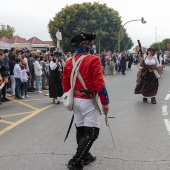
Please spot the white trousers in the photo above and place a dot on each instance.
(85, 114)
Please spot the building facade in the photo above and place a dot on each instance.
(31, 44)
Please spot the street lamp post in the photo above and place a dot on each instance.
(99, 46)
(59, 38)
(156, 35)
(143, 22)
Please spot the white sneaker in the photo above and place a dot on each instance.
(56, 101)
(8, 95)
(27, 96)
(46, 94)
(22, 97)
(39, 91)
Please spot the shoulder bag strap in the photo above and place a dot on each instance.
(73, 69)
(81, 79)
(75, 65)
(76, 74)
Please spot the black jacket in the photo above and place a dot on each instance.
(3, 69)
(11, 67)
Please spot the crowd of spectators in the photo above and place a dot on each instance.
(24, 71)
(114, 62)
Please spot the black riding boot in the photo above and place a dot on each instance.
(84, 145)
(89, 158)
(80, 133)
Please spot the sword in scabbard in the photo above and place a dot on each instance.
(69, 127)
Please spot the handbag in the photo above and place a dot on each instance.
(68, 96)
(156, 74)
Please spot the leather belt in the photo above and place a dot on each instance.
(82, 95)
(78, 92)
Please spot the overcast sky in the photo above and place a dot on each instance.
(31, 17)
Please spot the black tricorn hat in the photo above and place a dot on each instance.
(83, 36)
(57, 54)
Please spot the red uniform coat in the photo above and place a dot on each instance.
(91, 72)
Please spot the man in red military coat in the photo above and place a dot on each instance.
(86, 116)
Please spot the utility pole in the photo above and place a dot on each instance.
(156, 35)
(59, 38)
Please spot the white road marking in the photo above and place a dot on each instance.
(167, 97)
(164, 110)
(167, 123)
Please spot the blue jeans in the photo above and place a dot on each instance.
(17, 87)
(37, 82)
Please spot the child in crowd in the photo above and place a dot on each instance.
(38, 73)
(18, 78)
(24, 84)
(112, 66)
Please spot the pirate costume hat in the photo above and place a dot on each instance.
(57, 54)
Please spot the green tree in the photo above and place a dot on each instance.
(126, 42)
(6, 31)
(161, 45)
(164, 44)
(97, 18)
(155, 45)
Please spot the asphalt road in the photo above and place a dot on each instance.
(32, 131)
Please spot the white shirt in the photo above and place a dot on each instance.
(60, 65)
(37, 68)
(165, 56)
(17, 72)
(24, 75)
(153, 61)
(27, 67)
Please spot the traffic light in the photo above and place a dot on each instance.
(143, 21)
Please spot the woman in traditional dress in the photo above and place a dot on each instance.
(55, 79)
(147, 83)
